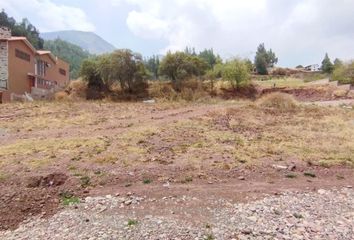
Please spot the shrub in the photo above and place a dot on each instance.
(77, 89)
(236, 72)
(344, 73)
(277, 100)
(61, 96)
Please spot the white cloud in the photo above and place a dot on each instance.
(235, 27)
(47, 15)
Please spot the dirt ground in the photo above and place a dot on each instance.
(53, 152)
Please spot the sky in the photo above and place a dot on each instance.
(298, 31)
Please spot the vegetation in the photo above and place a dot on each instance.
(70, 53)
(180, 65)
(264, 59)
(236, 72)
(344, 72)
(23, 28)
(152, 65)
(327, 66)
(122, 67)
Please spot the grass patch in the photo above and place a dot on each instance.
(132, 222)
(309, 174)
(147, 181)
(291, 175)
(68, 199)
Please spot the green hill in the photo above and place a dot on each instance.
(70, 53)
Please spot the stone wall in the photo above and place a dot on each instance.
(3, 65)
(5, 33)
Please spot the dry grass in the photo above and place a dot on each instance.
(279, 101)
(116, 136)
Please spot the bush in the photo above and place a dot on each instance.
(236, 72)
(77, 89)
(280, 101)
(61, 96)
(344, 73)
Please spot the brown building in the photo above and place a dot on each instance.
(24, 70)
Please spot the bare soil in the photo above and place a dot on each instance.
(203, 150)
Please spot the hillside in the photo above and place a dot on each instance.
(69, 52)
(86, 40)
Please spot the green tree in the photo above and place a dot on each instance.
(236, 72)
(264, 59)
(210, 57)
(337, 63)
(23, 29)
(125, 67)
(344, 73)
(152, 64)
(90, 73)
(70, 53)
(180, 65)
(327, 65)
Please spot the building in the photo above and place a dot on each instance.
(24, 70)
(312, 68)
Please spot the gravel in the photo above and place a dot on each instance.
(325, 214)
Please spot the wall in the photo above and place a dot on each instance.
(3, 65)
(53, 74)
(19, 69)
(4, 34)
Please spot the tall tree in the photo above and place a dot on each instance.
(23, 29)
(327, 65)
(210, 57)
(264, 59)
(152, 64)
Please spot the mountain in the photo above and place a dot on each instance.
(86, 40)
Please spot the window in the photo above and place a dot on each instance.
(41, 67)
(22, 55)
(62, 71)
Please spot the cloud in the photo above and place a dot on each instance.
(299, 30)
(47, 15)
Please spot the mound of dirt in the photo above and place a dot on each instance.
(51, 180)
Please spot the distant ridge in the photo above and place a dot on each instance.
(86, 40)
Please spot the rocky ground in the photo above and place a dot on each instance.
(321, 214)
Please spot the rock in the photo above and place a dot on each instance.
(280, 167)
(246, 231)
(292, 167)
(241, 178)
(128, 202)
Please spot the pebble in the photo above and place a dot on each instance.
(325, 214)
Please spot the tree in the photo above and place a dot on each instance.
(210, 58)
(89, 72)
(337, 63)
(180, 65)
(24, 29)
(236, 72)
(122, 66)
(327, 66)
(125, 67)
(344, 73)
(70, 53)
(214, 74)
(152, 64)
(299, 66)
(264, 59)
